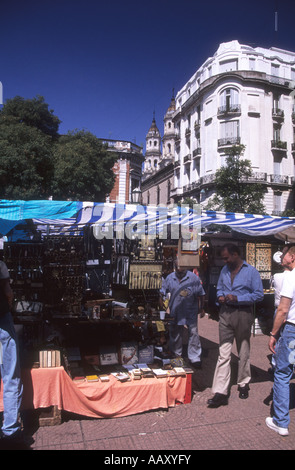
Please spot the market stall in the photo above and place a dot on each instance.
(86, 276)
(52, 387)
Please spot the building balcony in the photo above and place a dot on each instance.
(256, 177)
(228, 141)
(197, 125)
(177, 137)
(278, 114)
(279, 179)
(279, 145)
(207, 179)
(197, 152)
(187, 158)
(176, 163)
(187, 132)
(229, 110)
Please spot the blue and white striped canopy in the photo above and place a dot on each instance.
(113, 218)
(107, 216)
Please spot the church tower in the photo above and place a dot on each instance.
(169, 133)
(153, 149)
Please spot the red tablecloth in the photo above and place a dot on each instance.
(46, 387)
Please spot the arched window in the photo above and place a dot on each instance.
(229, 100)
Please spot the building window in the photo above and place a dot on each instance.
(252, 64)
(277, 133)
(158, 195)
(229, 133)
(276, 103)
(275, 70)
(168, 190)
(229, 100)
(228, 65)
(277, 203)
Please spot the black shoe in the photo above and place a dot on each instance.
(244, 392)
(14, 442)
(196, 365)
(217, 400)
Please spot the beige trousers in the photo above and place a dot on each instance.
(234, 324)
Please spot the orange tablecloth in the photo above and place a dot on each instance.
(52, 386)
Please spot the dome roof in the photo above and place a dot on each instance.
(153, 131)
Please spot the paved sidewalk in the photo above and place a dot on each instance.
(238, 426)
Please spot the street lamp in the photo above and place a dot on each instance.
(136, 196)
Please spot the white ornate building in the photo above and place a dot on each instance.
(241, 95)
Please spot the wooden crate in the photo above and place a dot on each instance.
(50, 416)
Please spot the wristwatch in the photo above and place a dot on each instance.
(274, 336)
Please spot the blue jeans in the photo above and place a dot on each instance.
(194, 349)
(285, 348)
(10, 373)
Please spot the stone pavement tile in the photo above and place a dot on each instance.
(253, 434)
(62, 446)
(65, 435)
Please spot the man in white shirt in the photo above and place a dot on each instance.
(282, 344)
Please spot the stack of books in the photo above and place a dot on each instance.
(50, 358)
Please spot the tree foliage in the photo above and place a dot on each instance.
(37, 162)
(32, 112)
(236, 190)
(82, 168)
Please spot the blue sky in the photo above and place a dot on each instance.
(106, 66)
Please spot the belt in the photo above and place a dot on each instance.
(290, 323)
(236, 307)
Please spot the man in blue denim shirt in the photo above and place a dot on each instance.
(238, 288)
(186, 296)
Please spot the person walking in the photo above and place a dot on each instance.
(239, 287)
(9, 367)
(282, 345)
(277, 282)
(186, 301)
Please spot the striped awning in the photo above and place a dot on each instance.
(110, 218)
(115, 218)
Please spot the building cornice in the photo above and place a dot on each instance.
(242, 75)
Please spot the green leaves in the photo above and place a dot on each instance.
(82, 167)
(236, 189)
(36, 162)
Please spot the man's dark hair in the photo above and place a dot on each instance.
(231, 248)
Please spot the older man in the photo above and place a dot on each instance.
(282, 345)
(186, 297)
(238, 288)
